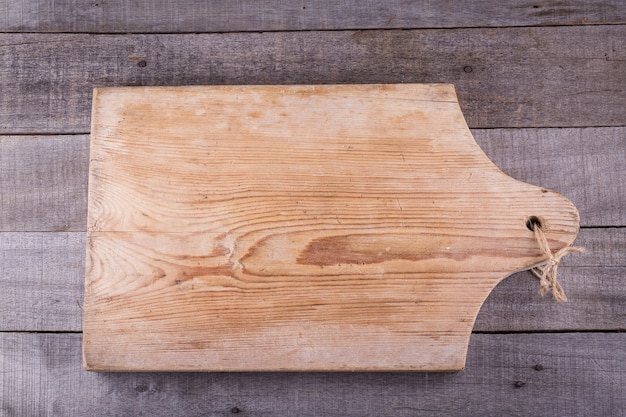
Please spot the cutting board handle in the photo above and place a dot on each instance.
(326, 227)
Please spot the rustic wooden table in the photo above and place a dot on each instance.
(543, 88)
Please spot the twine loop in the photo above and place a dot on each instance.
(547, 270)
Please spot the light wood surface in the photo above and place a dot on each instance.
(335, 227)
(44, 178)
(545, 103)
(44, 275)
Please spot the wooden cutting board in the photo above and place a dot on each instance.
(337, 227)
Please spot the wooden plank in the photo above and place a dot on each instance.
(41, 285)
(586, 165)
(573, 374)
(593, 282)
(272, 15)
(43, 274)
(596, 299)
(43, 179)
(43, 183)
(333, 227)
(515, 77)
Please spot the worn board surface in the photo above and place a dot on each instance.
(44, 274)
(44, 178)
(545, 104)
(335, 227)
(570, 374)
(128, 16)
(516, 77)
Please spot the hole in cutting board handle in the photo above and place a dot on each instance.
(534, 221)
(372, 284)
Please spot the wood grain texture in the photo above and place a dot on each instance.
(42, 376)
(574, 374)
(594, 282)
(515, 77)
(584, 164)
(542, 156)
(272, 15)
(518, 306)
(44, 273)
(43, 183)
(41, 285)
(341, 227)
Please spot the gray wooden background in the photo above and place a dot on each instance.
(543, 88)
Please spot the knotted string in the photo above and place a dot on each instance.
(546, 271)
